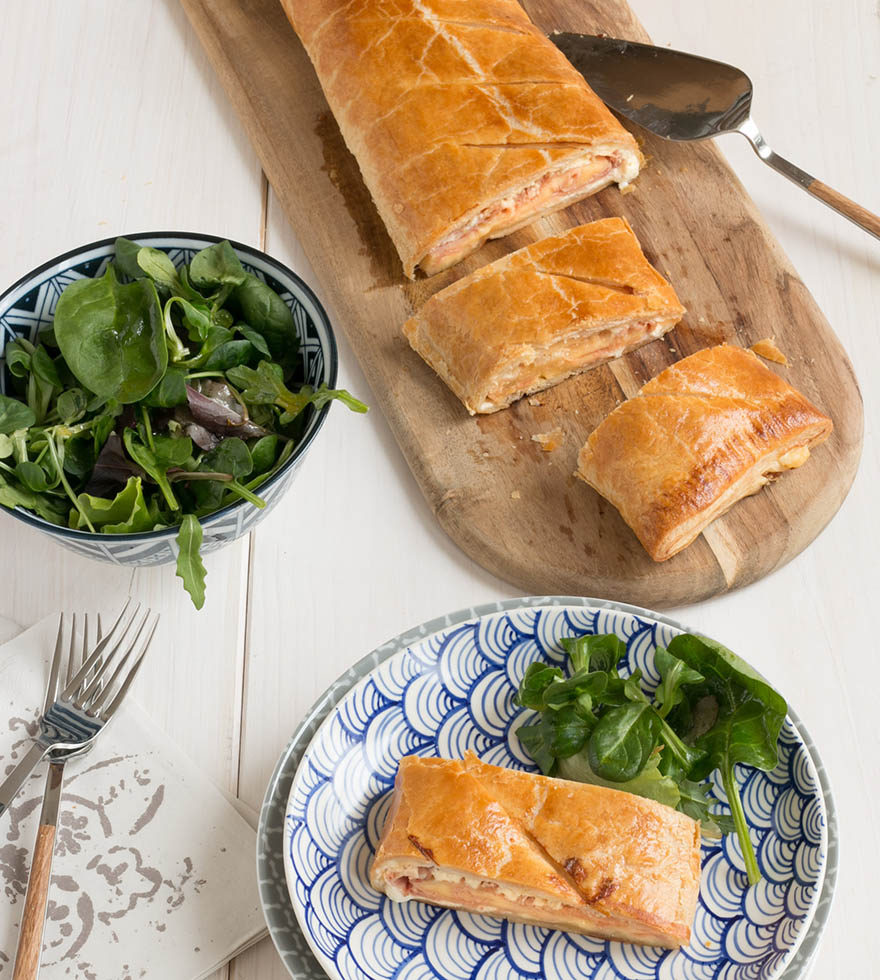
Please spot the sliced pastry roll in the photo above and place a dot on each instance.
(706, 432)
(543, 313)
(466, 121)
(544, 851)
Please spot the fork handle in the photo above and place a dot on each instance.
(30, 935)
(16, 779)
(858, 215)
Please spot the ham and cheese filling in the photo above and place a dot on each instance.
(549, 193)
(577, 352)
(491, 898)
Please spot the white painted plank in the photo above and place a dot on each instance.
(114, 123)
(809, 627)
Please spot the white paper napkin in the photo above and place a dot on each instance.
(154, 873)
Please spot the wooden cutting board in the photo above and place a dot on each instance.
(516, 510)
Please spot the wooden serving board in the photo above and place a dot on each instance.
(516, 510)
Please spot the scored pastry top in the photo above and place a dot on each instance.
(539, 314)
(704, 433)
(451, 107)
(620, 856)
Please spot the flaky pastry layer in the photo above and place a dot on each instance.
(542, 314)
(706, 432)
(466, 121)
(545, 851)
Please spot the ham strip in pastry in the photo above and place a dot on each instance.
(544, 851)
(543, 313)
(466, 121)
(706, 432)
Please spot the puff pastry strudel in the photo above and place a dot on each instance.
(706, 432)
(543, 313)
(544, 851)
(465, 120)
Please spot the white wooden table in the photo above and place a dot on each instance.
(112, 122)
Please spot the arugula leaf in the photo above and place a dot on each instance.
(190, 567)
(6, 446)
(264, 385)
(112, 337)
(14, 415)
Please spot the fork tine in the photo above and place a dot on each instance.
(87, 645)
(108, 712)
(85, 696)
(55, 669)
(98, 653)
(71, 653)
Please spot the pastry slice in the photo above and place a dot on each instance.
(466, 121)
(543, 313)
(706, 432)
(548, 852)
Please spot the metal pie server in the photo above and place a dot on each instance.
(683, 97)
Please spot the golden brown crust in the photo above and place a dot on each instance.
(538, 315)
(450, 106)
(628, 866)
(704, 433)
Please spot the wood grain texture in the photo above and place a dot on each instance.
(514, 509)
(855, 212)
(30, 936)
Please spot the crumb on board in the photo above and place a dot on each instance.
(548, 441)
(628, 189)
(515, 495)
(534, 400)
(629, 98)
(767, 349)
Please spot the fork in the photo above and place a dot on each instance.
(30, 937)
(79, 713)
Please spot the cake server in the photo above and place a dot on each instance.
(684, 97)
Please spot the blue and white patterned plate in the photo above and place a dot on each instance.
(450, 688)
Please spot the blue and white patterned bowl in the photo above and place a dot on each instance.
(453, 690)
(29, 305)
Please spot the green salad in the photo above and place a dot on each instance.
(710, 711)
(159, 395)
